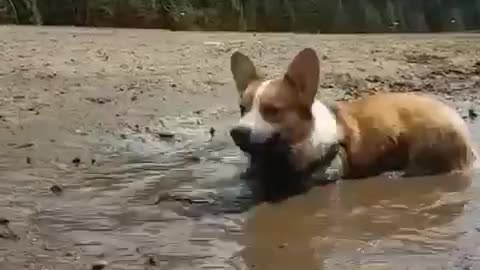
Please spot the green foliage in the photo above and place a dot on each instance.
(251, 15)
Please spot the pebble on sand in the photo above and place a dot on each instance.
(166, 135)
(99, 265)
(76, 161)
(472, 114)
(212, 132)
(56, 189)
(4, 221)
(151, 261)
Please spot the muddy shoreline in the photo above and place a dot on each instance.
(97, 124)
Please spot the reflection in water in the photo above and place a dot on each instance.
(372, 221)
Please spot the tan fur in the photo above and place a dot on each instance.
(280, 107)
(286, 102)
(413, 133)
(409, 132)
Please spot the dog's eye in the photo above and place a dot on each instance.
(271, 111)
(242, 110)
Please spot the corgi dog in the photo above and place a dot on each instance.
(414, 134)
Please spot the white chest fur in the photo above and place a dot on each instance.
(324, 134)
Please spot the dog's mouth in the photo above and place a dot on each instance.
(273, 158)
(273, 146)
(272, 168)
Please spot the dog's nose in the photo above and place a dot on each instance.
(241, 136)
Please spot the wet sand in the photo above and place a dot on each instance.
(107, 155)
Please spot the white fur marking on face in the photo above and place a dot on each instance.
(261, 129)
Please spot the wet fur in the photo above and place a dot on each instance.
(413, 133)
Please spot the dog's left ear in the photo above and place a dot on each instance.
(243, 71)
(303, 74)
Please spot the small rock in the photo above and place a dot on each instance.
(123, 136)
(193, 158)
(283, 245)
(151, 261)
(6, 232)
(133, 98)
(99, 100)
(81, 132)
(93, 161)
(165, 135)
(472, 114)
(99, 265)
(29, 160)
(212, 132)
(76, 161)
(56, 189)
(25, 145)
(373, 78)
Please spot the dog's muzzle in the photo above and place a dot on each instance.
(252, 143)
(241, 137)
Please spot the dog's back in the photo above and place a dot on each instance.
(410, 132)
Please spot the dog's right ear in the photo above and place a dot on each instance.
(243, 71)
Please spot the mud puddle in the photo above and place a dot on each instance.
(163, 210)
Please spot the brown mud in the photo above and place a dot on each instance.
(115, 147)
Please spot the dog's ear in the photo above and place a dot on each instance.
(243, 71)
(303, 75)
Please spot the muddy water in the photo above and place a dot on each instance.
(178, 206)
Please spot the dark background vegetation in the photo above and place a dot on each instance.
(324, 16)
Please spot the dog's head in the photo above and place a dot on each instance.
(276, 111)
